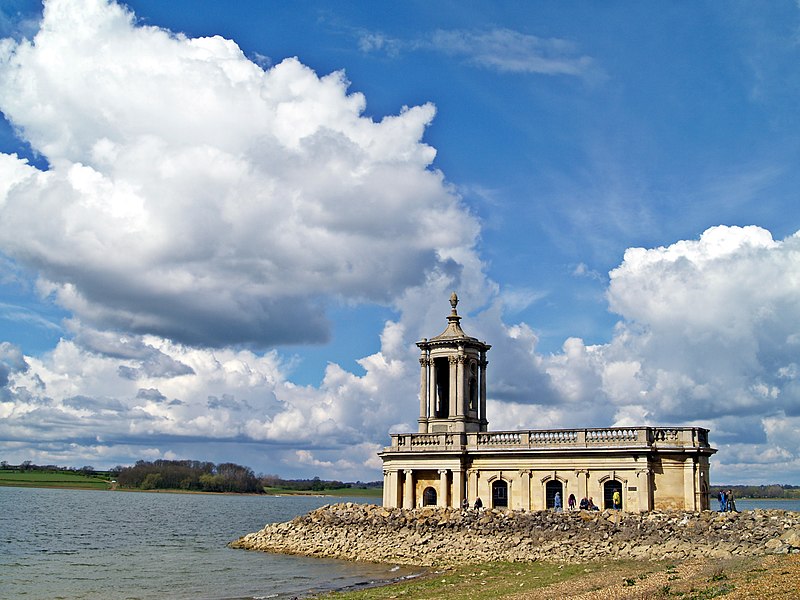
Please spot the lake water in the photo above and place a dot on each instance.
(80, 544)
(86, 544)
(765, 504)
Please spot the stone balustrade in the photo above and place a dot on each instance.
(609, 437)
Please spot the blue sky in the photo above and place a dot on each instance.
(226, 249)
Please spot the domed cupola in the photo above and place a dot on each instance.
(453, 379)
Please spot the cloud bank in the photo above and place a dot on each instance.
(195, 196)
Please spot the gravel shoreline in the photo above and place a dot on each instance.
(445, 537)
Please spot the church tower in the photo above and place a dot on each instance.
(452, 395)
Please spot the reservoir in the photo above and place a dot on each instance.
(82, 544)
(135, 545)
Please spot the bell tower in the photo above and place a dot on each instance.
(452, 394)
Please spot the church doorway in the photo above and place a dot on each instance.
(429, 497)
(550, 489)
(609, 487)
(499, 494)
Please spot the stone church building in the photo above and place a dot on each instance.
(454, 456)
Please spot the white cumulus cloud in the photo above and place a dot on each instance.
(196, 196)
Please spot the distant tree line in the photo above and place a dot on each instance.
(30, 466)
(191, 475)
(759, 491)
(195, 475)
(314, 485)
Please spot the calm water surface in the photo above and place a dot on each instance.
(112, 545)
(115, 545)
(765, 504)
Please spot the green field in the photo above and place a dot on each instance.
(55, 479)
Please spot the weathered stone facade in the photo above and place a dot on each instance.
(454, 458)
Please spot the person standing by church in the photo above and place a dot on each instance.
(557, 502)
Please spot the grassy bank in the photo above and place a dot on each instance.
(53, 479)
(73, 480)
(745, 577)
(474, 582)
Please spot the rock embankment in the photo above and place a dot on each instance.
(444, 536)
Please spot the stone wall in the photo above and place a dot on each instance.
(445, 536)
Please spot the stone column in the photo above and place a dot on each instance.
(460, 412)
(423, 393)
(442, 499)
(452, 403)
(408, 489)
(457, 496)
(391, 489)
(482, 403)
(472, 485)
(689, 490)
(702, 484)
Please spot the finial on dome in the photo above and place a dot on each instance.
(454, 302)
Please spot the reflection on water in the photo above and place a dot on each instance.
(98, 544)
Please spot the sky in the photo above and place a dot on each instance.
(224, 225)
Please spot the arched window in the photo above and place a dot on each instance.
(429, 497)
(499, 494)
(609, 487)
(550, 489)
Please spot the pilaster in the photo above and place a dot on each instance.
(458, 488)
(525, 489)
(645, 492)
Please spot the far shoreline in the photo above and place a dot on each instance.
(110, 488)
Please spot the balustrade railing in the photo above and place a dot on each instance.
(499, 438)
(425, 439)
(561, 438)
(545, 438)
(610, 436)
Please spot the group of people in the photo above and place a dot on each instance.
(726, 503)
(478, 503)
(585, 504)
